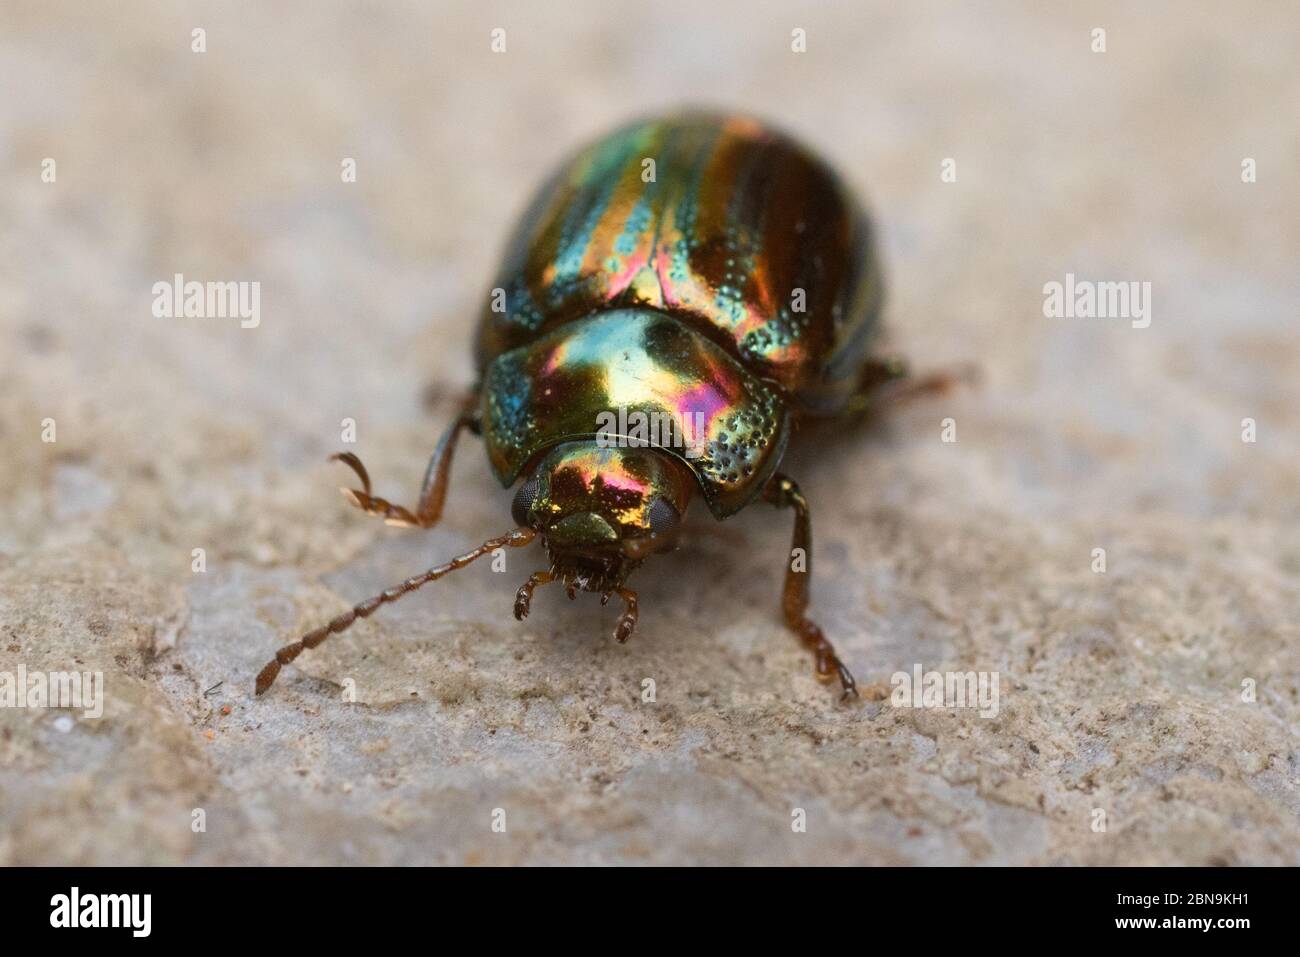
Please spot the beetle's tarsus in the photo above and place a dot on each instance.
(627, 622)
(372, 504)
(524, 597)
(433, 490)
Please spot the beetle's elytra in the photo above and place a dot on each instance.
(699, 270)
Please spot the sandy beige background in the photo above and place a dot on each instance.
(1121, 692)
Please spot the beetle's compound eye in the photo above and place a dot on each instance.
(524, 499)
(663, 517)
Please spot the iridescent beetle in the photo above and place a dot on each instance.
(695, 270)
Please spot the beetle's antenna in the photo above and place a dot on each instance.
(266, 677)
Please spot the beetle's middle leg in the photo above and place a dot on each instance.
(783, 492)
(891, 380)
(433, 490)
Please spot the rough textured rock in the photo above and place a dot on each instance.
(1119, 691)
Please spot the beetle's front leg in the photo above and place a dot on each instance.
(783, 492)
(524, 597)
(433, 490)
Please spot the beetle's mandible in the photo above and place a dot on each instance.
(702, 272)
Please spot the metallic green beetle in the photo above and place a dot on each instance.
(677, 299)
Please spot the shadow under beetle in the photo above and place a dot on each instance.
(698, 270)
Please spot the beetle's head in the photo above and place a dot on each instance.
(602, 510)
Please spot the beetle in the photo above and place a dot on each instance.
(697, 269)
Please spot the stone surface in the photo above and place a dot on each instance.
(1120, 692)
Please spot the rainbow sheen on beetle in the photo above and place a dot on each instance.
(696, 268)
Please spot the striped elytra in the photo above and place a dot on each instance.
(703, 271)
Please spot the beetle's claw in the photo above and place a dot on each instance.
(623, 632)
(354, 463)
(394, 515)
(627, 622)
(522, 601)
(846, 682)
